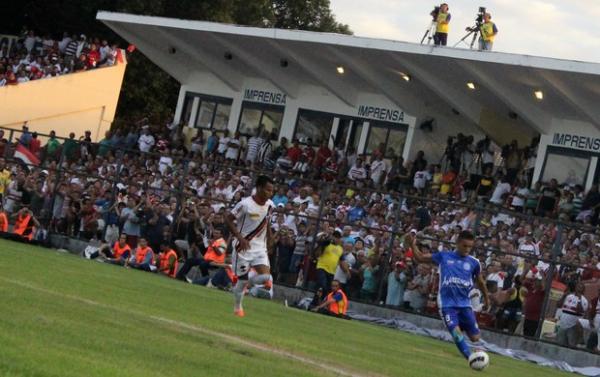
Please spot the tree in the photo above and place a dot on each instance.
(313, 15)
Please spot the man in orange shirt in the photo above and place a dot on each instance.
(336, 302)
(3, 220)
(167, 260)
(120, 251)
(214, 257)
(143, 257)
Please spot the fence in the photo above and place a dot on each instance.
(80, 189)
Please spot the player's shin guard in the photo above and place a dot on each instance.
(259, 279)
(461, 343)
(238, 294)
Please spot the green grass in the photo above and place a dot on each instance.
(66, 316)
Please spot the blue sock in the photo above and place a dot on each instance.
(461, 343)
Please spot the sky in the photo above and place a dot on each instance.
(566, 29)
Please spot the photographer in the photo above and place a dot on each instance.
(488, 32)
(442, 19)
(328, 256)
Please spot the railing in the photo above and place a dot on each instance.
(374, 281)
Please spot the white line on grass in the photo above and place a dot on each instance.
(226, 337)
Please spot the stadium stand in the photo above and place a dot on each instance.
(144, 182)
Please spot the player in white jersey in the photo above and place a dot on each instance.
(249, 222)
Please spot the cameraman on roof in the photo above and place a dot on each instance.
(488, 32)
(440, 38)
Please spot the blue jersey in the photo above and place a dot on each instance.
(457, 274)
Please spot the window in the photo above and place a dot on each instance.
(254, 115)
(391, 136)
(313, 125)
(187, 110)
(206, 111)
(566, 167)
(212, 113)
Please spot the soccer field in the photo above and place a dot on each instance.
(66, 316)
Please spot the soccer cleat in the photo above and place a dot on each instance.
(239, 313)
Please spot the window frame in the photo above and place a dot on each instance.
(262, 107)
(208, 98)
(568, 153)
(389, 127)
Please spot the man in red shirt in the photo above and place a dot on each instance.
(323, 154)
(534, 298)
(35, 145)
(93, 57)
(294, 152)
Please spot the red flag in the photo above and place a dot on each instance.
(25, 155)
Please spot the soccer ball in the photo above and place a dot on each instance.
(479, 360)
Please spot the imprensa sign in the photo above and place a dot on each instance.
(264, 96)
(381, 113)
(587, 143)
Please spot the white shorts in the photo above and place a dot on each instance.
(585, 323)
(242, 262)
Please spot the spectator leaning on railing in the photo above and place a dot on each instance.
(33, 57)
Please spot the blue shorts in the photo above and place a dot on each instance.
(463, 318)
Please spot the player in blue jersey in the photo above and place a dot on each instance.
(459, 272)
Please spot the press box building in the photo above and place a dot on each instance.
(360, 92)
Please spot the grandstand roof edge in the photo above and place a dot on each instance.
(356, 42)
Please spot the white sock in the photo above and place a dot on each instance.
(259, 279)
(238, 294)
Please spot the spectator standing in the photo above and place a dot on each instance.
(500, 191)
(131, 222)
(345, 265)
(328, 258)
(574, 306)
(234, 145)
(303, 240)
(223, 143)
(534, 283)
(549, 199)
(254, 144)
(357, 173)
(378, 170)
(146, 140)
(418, 288)
(396, 285)
(70, 148)
(368, 290)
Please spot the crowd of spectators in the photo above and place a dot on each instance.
(34, 57)
(338, 215)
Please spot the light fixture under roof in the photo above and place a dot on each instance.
(471, 85)
(340, 70)
(404, 76)
(539, 95)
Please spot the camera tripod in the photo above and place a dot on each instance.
(472, 31)
(429, 33)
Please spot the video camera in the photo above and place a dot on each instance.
(480, 16)
(435, 12)
(478, 20)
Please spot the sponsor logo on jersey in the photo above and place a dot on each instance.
(456, 281)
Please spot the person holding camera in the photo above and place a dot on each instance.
(328, 255)
(488, 31)
(440, 38)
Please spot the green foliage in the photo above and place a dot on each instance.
(313, 15)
